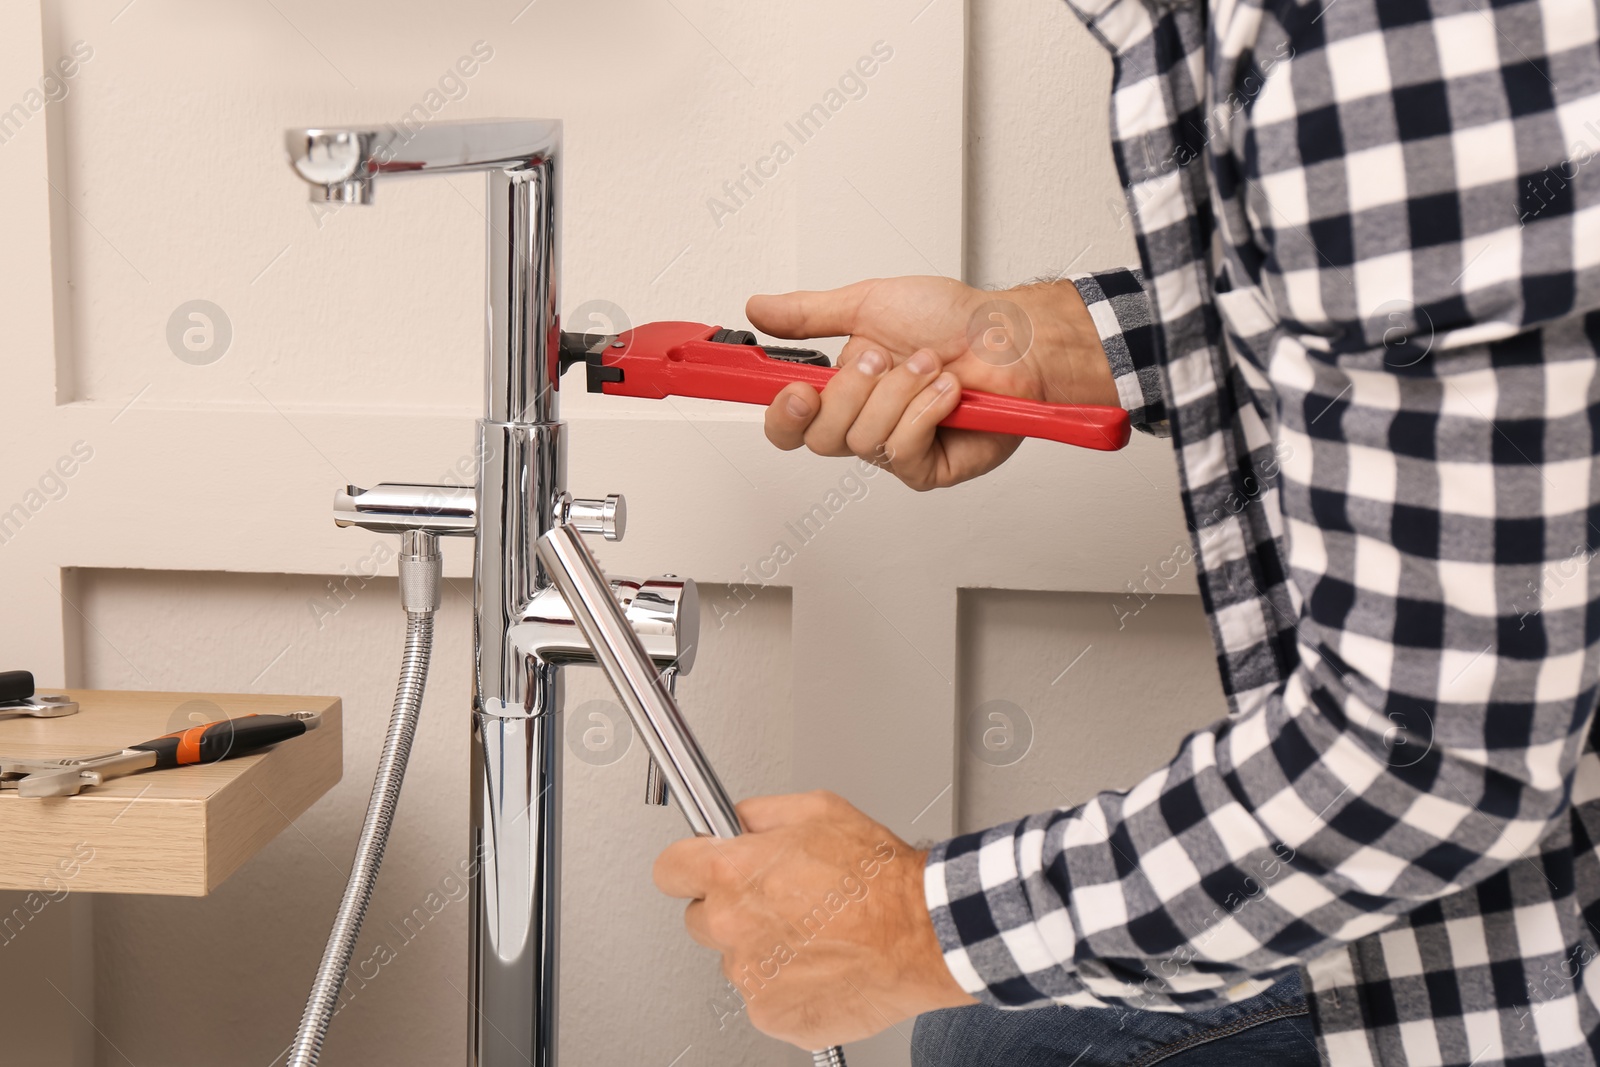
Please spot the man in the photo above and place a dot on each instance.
(1369, 236)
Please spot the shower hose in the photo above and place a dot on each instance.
(419, 595)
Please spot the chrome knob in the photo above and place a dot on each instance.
(608, 517)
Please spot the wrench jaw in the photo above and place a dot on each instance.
(67, 782)
(69, 777)
(38, 782)
(39, 707)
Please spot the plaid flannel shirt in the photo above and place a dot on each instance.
(1369, 233)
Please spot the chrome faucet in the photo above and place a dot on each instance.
(540, 600)
(524, 632)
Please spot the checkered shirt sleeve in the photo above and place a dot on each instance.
(1369, 234)
(1121, 312)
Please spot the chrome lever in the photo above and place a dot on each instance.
(452, 510)
(619, 652)
(395, 507)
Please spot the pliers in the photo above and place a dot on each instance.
(209, 743)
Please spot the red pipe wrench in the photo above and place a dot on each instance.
(663, 359)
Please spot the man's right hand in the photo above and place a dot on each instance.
(914, 344)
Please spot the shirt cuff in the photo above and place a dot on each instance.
(972, 918)
(1121, 312)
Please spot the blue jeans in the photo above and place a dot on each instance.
(1269, 1030)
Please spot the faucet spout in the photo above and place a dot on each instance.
(521, 158)
(336, 158)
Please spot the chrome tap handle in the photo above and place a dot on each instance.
(388, 507)
(608, 517)
(619, 652)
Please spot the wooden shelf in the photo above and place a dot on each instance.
(177, 832)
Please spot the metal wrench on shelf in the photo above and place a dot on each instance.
(18, 699)
(209, 743)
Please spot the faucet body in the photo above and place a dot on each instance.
(524, 634)
(540, 600)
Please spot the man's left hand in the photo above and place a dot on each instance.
(819, 914)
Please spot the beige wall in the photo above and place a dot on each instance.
(1042, 191)
(355, 359)
(1064, 694)
(1043, 200)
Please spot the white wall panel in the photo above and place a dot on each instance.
(1066, 694)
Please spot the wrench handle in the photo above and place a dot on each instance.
(665, 359)
(222, 739)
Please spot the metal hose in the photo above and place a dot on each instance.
(419, 593)
(828, 1057)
